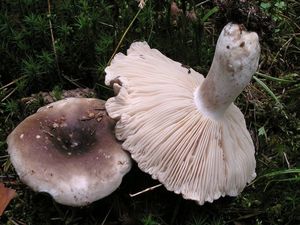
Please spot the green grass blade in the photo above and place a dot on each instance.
(268, 77)
(209, 14)
(268, 90)
(295, 171)
(281, 172)
(295, 179)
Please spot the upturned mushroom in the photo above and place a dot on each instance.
(68, 150)
(182, 128)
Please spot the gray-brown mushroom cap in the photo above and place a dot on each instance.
(68, 150)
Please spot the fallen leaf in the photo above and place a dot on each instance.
(6, 195)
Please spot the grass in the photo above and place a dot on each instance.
(73, 52)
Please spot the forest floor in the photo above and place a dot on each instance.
(52, 46)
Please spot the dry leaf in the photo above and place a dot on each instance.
(6, 195)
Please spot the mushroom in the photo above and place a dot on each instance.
(68, 150)
(182, 128)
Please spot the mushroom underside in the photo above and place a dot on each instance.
(167, 136)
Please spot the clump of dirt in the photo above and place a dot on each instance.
(49, 97)
(246, 12)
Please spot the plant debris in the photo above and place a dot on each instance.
(6, 195)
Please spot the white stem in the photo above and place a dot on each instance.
(235, 61)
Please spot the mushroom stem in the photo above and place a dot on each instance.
(235, 61)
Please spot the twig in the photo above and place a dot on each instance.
(255, 214)
(107, 214)
(12, 82)
(8, 95)
(106, 24)
(7, 176)
(277, 54)
(52, 37)
(123, 36)
(145, 190)
(105, 87)
(201, 3)
(72, 81)
(293, 22)
(13, 222)
(286, 160)
(16, 222)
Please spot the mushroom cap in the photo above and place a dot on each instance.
(68, 150)
(188, 152)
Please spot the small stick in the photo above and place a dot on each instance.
(52, 36)
(123, 36)
(12, 82)
(201, 3)
(145, 190)
(9, 94)
(286, 160)
(107, 214)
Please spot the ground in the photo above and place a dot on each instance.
(51, 46)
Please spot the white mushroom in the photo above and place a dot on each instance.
(182, 128)
(68, 150)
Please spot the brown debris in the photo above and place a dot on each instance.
(49, 97)
(6, 195)
(245, 12)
